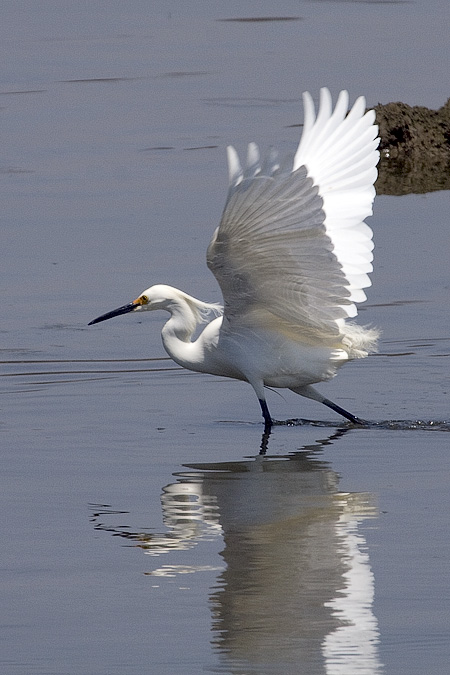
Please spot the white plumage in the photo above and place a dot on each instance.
(292, 257)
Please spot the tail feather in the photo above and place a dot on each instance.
(360, 341)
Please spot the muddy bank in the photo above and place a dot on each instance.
(414, 148)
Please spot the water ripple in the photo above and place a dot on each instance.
(390, 425)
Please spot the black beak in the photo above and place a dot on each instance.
(115, 312)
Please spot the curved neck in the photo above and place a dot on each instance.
(177, 333)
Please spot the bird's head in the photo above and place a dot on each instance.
(155, 297)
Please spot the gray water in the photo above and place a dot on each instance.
(142, 531)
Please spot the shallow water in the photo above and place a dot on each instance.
(143, 530)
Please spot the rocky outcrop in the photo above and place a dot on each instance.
(414, 149)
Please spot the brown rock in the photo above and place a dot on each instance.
(414, 149)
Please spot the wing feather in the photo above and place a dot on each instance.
(292, 242)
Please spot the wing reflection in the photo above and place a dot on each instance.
(296, 594)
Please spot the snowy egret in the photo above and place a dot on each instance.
(292, 256)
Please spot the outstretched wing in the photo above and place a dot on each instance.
(292, 242)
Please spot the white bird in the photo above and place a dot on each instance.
(292, 256)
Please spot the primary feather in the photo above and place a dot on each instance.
(293, 244)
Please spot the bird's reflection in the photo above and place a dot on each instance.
(296, 593)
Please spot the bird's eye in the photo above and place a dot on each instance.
(143, 300)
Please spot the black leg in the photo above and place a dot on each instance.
(266, 415)
(344, 413)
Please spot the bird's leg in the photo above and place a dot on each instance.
(341, 411)
(310, 392)
(266, 415)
